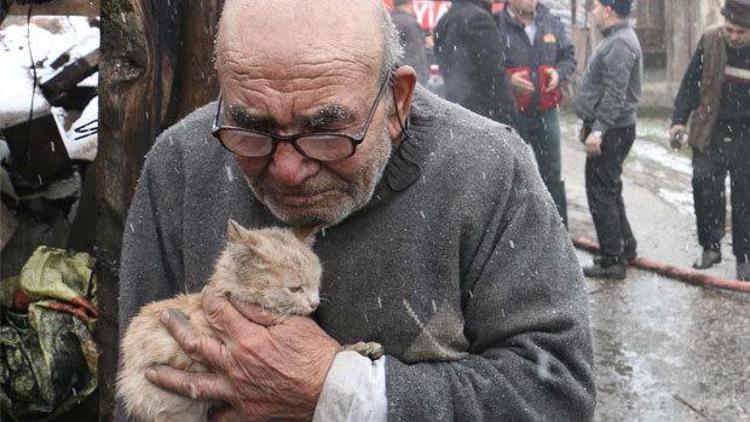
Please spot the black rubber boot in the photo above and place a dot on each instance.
(557, 191)
(630, 256)
(743, 271)
(708, 258)
(614, 271)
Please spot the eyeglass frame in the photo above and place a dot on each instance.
(355, 139)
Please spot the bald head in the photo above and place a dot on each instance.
(296, 68)
(292, 33)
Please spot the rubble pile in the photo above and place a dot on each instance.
(48, 127)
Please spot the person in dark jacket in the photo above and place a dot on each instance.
(539, 58)
(606, 101)
(412, 38)
(715, 95)
(472, 62)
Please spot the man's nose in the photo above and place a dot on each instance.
(289, 167)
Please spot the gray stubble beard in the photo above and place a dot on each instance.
(361, 192)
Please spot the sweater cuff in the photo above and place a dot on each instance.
(599, 126)
(354, 390)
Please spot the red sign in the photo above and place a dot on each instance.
(429, 12)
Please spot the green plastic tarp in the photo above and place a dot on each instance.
(48, 358)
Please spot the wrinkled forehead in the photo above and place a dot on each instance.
(298, 52)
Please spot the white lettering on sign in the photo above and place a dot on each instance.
(429, 12)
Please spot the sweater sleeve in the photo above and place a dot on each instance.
(151, 261)
(530, 355)
(618, 64)
(688, 96)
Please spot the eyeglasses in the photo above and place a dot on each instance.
(321, 146)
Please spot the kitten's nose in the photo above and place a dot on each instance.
(314, 303)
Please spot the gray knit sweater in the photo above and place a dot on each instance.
(459, 265)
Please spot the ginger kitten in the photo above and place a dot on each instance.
(273, 267)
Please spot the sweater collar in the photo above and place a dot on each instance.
(404, 167)
(616, 27)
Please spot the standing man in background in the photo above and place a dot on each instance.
(539, 58)
(606, 101)
(472, 62)
(715, 94)
(412, 38)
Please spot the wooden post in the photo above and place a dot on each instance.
(574, 12)
(686, 20)
(156, 67)
(677, 31)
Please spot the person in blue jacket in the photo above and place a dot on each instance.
(539, 59)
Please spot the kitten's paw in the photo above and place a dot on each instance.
(370, 350)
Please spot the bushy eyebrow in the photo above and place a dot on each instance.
(328, 116)
(239, 116)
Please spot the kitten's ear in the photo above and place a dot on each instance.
(235, 232)
(258, 243)
(306, 233)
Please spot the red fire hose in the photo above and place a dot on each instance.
(666, 270)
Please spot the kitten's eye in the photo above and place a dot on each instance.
(297, 289)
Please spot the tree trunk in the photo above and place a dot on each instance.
(156, 67)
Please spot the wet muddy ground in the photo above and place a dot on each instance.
(664, 350)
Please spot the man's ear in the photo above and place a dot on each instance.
(404, 84)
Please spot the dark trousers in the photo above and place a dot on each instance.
(542, 132)
(604, 193)
(729, 151)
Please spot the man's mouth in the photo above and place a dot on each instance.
(301, 199)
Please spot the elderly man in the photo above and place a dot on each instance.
(443, 248)
(607, 101)
(539, 59)
(715, 94)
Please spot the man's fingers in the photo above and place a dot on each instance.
(520, 81)
(228, 323)
(197, 386)
(256, 313)
(204, 348)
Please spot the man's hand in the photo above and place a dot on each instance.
(263, 366)
(521, 82)
(676, 132)
(554, 79)
(593, 145)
